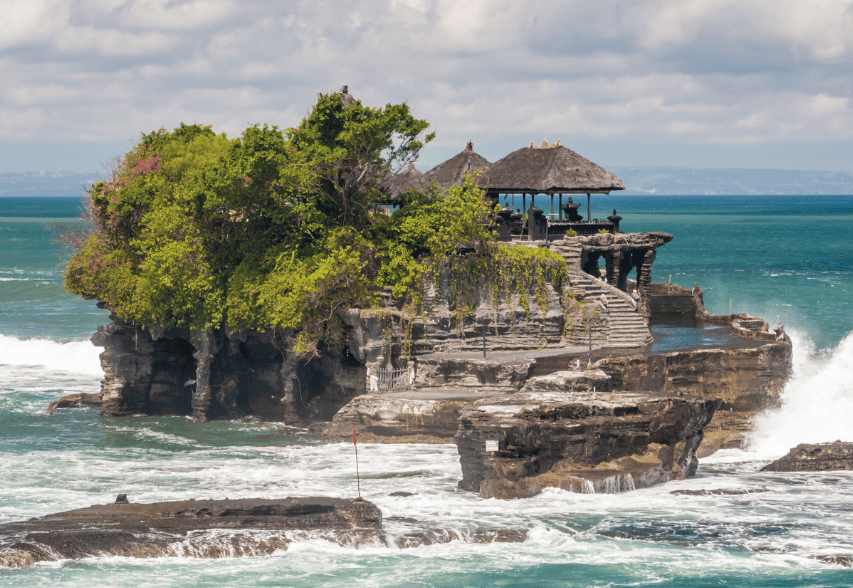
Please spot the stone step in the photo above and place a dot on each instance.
(627, 327)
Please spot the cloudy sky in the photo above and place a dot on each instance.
(695, 83)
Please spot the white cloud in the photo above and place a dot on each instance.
(695, 71)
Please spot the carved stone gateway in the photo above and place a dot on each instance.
(623, 253)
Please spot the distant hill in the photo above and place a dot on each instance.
(638, 180)
(688, 181)
(45, 183)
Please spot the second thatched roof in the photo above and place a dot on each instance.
(549, 170)
(402, 182)
(451, 172)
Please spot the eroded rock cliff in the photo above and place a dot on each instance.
(579, 441)
(216, 374)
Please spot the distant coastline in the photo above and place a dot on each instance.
(45, 184)
(686, 181)
(663, 181)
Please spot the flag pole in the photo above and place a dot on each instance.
(357, 476)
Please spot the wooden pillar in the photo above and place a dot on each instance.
(560, 212)
(524, 206)
(588, 209)
(552, 208)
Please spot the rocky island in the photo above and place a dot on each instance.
(296, 277)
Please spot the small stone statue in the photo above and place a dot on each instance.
(345, 96)
(779, 329)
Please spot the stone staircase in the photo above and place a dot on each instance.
(627, 327)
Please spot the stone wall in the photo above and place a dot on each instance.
(395, 333)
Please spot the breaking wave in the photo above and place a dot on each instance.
(817, 403)
(76, 357)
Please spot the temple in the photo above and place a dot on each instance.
(560, 173)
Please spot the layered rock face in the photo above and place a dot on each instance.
(241, 527)
(220, 528)
(579, 441)
(502, 320)
(218, 375)
(819, 457)
(746, 381)
(428, 413)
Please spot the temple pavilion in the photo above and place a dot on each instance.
(561, 174)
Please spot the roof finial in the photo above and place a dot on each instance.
(469, 146)
(545, 143)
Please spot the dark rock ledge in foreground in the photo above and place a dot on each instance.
(820, 457)
(215, 528)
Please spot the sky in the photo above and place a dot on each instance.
(686, 83)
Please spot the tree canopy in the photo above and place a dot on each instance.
(275, 229)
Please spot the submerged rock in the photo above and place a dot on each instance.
(819, 457)
(516, 445)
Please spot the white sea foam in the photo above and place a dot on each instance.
(817, 404)
(77, 357)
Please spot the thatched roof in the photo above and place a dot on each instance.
(401, 182)
(548, 170)
(450, 172)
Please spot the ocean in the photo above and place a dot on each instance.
(784, 256)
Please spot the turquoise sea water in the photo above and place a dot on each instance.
(786, 256)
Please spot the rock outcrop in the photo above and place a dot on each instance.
(819, 457)
(384, 418)
(428, 412)
(81, 400)
(578, 441)
(747, 381)
(242, 527)
(218, 528)
(216, 374)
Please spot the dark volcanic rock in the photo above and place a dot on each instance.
(820, 457)
(384, 418)
(746, 380)
(219, 375)
(581, 442)
(219, 528)
(178, 528)
(82, 400)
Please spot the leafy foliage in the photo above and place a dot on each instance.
(280, 229)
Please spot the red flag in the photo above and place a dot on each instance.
(353, 436)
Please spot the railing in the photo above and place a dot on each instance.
(560, 228)
(393, 379)
(553, 230)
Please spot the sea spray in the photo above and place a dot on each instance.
(76, 357)
(817, 403)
